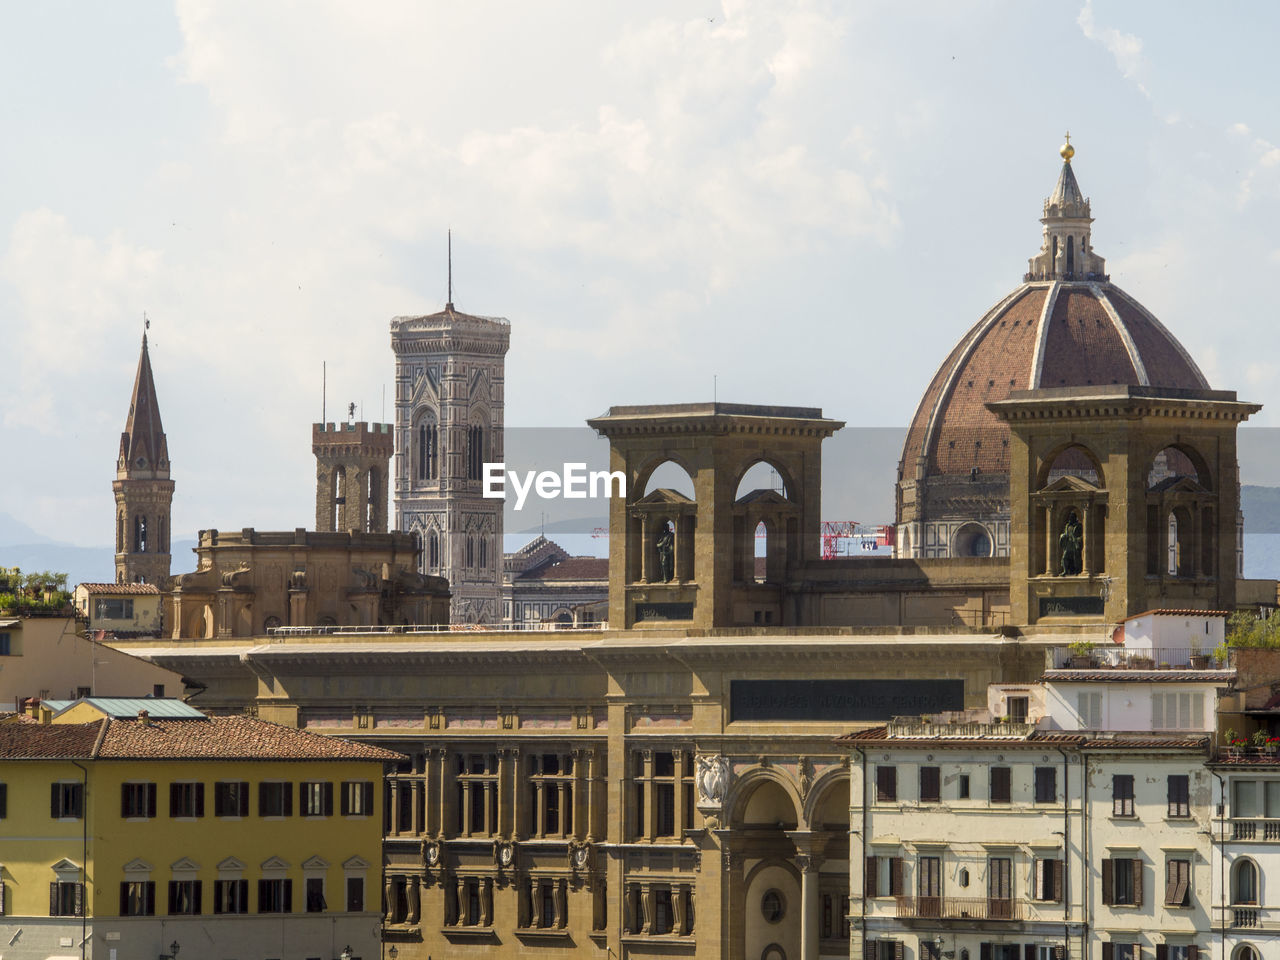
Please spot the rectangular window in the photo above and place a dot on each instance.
(1047, 880)
(1000, 888)
(896, 886)
(664, 800)
(1089, 710)
(1177, 711)
(1046, 784)
(886, 784)
(66, 899)
(117, 609)
(355, 894)
(231, 798)
(315, 799)
(1122, 882)
(315, 895)
(1177, 883)
(5, 644)
(138, 898)
(930, 784)
(275, 800)
(66, 802)
(184, 897)
(275, 896)
(962, 787)
(137, 800)
(1019, 707)
(929, 887)
(1122, 795)
(1179, 795)
(357, 798)
(186, 800)
(1244, 798)
(231, 896)
(661, 910)
(1001, 788)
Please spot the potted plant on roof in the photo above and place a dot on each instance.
(1082, 654)
(1234, 745)
(1259, 741)
(1220, 654)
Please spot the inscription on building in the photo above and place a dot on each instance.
(1070, 606)
(841, 699)
(664, 611)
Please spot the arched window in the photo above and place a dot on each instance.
(471, 552)
(484, 552)
(426, 463)
(1246, 952)
(475, 451)
(140, 535)
(1244, 883)
(433, 550)
(1071, 255)
(120, 532)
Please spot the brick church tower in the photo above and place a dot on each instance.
(143, 490)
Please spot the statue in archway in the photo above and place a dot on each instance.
(665, 544)
(1070, 545)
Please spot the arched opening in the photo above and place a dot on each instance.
(373, 501)
(972, 540)
(1173, 548)
(484, 552)
(162, 534)
(1176, 462)
(831, 812)
(477, 449)
(760, 555)
(1181, 529)
(1071, 256)
(120, 532)
(140, 535)
(1072, 461)
(1246, 952)
(433, 551)
(426, 443)
(767, 806)
(759, 477)
(1069, 519)
(1053, 256)
(1244, 883)
(470, 552)
(660, 533)
(669, 475)
(338, 498)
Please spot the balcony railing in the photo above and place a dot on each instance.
(963, 729)
(1268, 830)
(1103, 657)
(959, 908)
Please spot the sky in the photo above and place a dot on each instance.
(807, 203)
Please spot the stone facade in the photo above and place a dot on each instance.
(250, 582)
(143, 490)
(449, 422)
(352, 461)
(543, 584)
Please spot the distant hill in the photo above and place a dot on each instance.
(81, 564)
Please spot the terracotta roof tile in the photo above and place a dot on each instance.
(571, 568)
(22, 738)
(121, 589)
(1067, 675)
(229, 738)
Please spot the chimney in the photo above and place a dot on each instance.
(31, 706)
(144, 718)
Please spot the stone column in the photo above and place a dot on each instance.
(809, 917)
(1086, 539)
(561, 903)
(680, 786)
(415, 812)
(645, 562)
(566, 807)
(486, 902)
(461, 886)
(1049, 567)
(415, 900)
(464, 815)
(395, 808)
(677, 909)
(506, 794)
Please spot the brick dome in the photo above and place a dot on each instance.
(1052, 333)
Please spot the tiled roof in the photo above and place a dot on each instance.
(121, 589)
(572, 568)
(1170, 612)
(228, 738)
(23, 738)
(1084, 739)
(1139, 676)
(214, 738)
(1131, 741)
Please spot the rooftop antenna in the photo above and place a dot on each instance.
(146, 324)
(715, 387)
(324, 387)
(449, 303)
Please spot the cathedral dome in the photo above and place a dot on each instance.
(1065, 326)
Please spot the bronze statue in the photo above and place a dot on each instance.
(665, 543)
(1070, 542)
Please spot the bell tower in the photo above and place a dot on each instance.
(143, 490)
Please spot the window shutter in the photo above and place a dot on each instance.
(54, 806)
(1029, 951)
(175, 810)
(1060, 952)
(124, 899)
(53, 894)
(288, 800)
(124, 803)
(288, 896)
(195, 896)
(262, 799)
(367, 790)
(242, 791)
(151, 800)
(4, 800)
(199, 800)
(344, 800)
(898, 952)
(79, 900)
(1137, 892)
(1108, 951)
(871, 879)
(327, 792)
(895, 876)
(1193, 952)
(263, 905)
(871, 949)
(984, 952)
(1058, 872)
(1037, 879)
(242, 888)
(1107, 898)
(151, 898)
(1162, 951)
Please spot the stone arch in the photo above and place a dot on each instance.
(824, 800)
(973, 539)
(778, 936)
(788, 491)
(1179, 460)
(1071, 458)
(1182, 512)
(645, 473)
(479, 440)
(1246, 882)
(424, 445)
(780, 797)
(1246, 951)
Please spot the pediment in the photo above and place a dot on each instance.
(1179, 484)
(355, 863)
(763, 497)
(275, 863)
(138, 865)
(65, 866)
(232, 864)
(1071, 484)
(480, 386)
(664, 495)
(186, 864)
(315, 863)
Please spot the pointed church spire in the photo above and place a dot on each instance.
(143, 490)
(1066, 251)
(144, 453)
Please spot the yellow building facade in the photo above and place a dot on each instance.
(126, 836)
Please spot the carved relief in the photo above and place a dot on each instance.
(712, 781)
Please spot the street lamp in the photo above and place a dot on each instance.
(173, 952)
(393, 952)
(346, 953)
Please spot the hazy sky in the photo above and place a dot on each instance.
(811, 201)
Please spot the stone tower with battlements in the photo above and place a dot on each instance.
(352, 461)
(143, 490)
(450, 370)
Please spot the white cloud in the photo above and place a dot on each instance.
(1125, 48)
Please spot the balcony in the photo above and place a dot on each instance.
(963, 729)
(959, 908)
(1103, 657)
(1264, 830)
